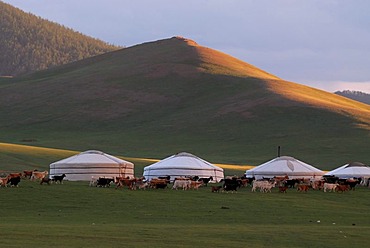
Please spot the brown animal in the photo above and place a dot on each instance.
(303, 187)
(38, 175)
(45, 180)
(283, 189)
(158, 183)
(129, 182)
(28, 173)
(14, 175)
(195, 185)
(216, 189)
(341, 188)
(4, 181)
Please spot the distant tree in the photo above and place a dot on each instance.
(355, 95)
(29, 43)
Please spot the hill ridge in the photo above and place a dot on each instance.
(171, 95)
(29, 43)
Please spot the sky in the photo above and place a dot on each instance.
(320, 43)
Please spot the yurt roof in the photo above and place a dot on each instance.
(284, 165)
(92, 157)
(353, 169)
(183, 160)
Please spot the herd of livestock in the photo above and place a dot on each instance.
(229, 184)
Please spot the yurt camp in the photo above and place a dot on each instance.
(183, 165)
(284, 166)
(88, 164)
(353, 169)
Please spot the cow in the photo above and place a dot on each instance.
(59, 179)
(205, 180)
(330, 187)
(38, 175)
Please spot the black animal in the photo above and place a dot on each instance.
(58, 178)
(231, 184)
(205, 180)
(14, 181)
(104, 182)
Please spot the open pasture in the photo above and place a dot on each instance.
(76, 215)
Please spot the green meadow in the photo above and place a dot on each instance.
(76, 215)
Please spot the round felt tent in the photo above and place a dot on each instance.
(354, 169)
(182, 165)
(284, 166)
(88, 164)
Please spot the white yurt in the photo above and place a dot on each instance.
(284, 166)
(88, 164)
(353, 169)
(182, 165)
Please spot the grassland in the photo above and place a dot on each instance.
(76, 215)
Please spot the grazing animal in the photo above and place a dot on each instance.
(58, 178)
(38, 175)
(181, 184)
(330, 187)
(4, 181)
(158, 183)
(216, 189)
(283, 189)
(93, 182)
(231, 184)
(264, 186)
(14, 181)
(28, 173)
(302, 187)
(45, 180)
(104, 182)
(195, 185)
(341, 188)
(205, 180)
(129, 182)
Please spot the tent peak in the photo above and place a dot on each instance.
(185, 154)
(284, 158)
(356, 164)
(92, 152)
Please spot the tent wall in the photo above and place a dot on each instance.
(150, 173)
(84, 172)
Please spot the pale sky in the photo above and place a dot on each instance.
(320, 43)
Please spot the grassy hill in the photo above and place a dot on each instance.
(29, 43)
(158, 98)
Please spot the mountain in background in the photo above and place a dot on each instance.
(159, 98)
(355, 95)
(29, 43)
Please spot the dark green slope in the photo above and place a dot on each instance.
(29, 43)
(159, 98)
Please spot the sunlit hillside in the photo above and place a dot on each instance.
(159, 98)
